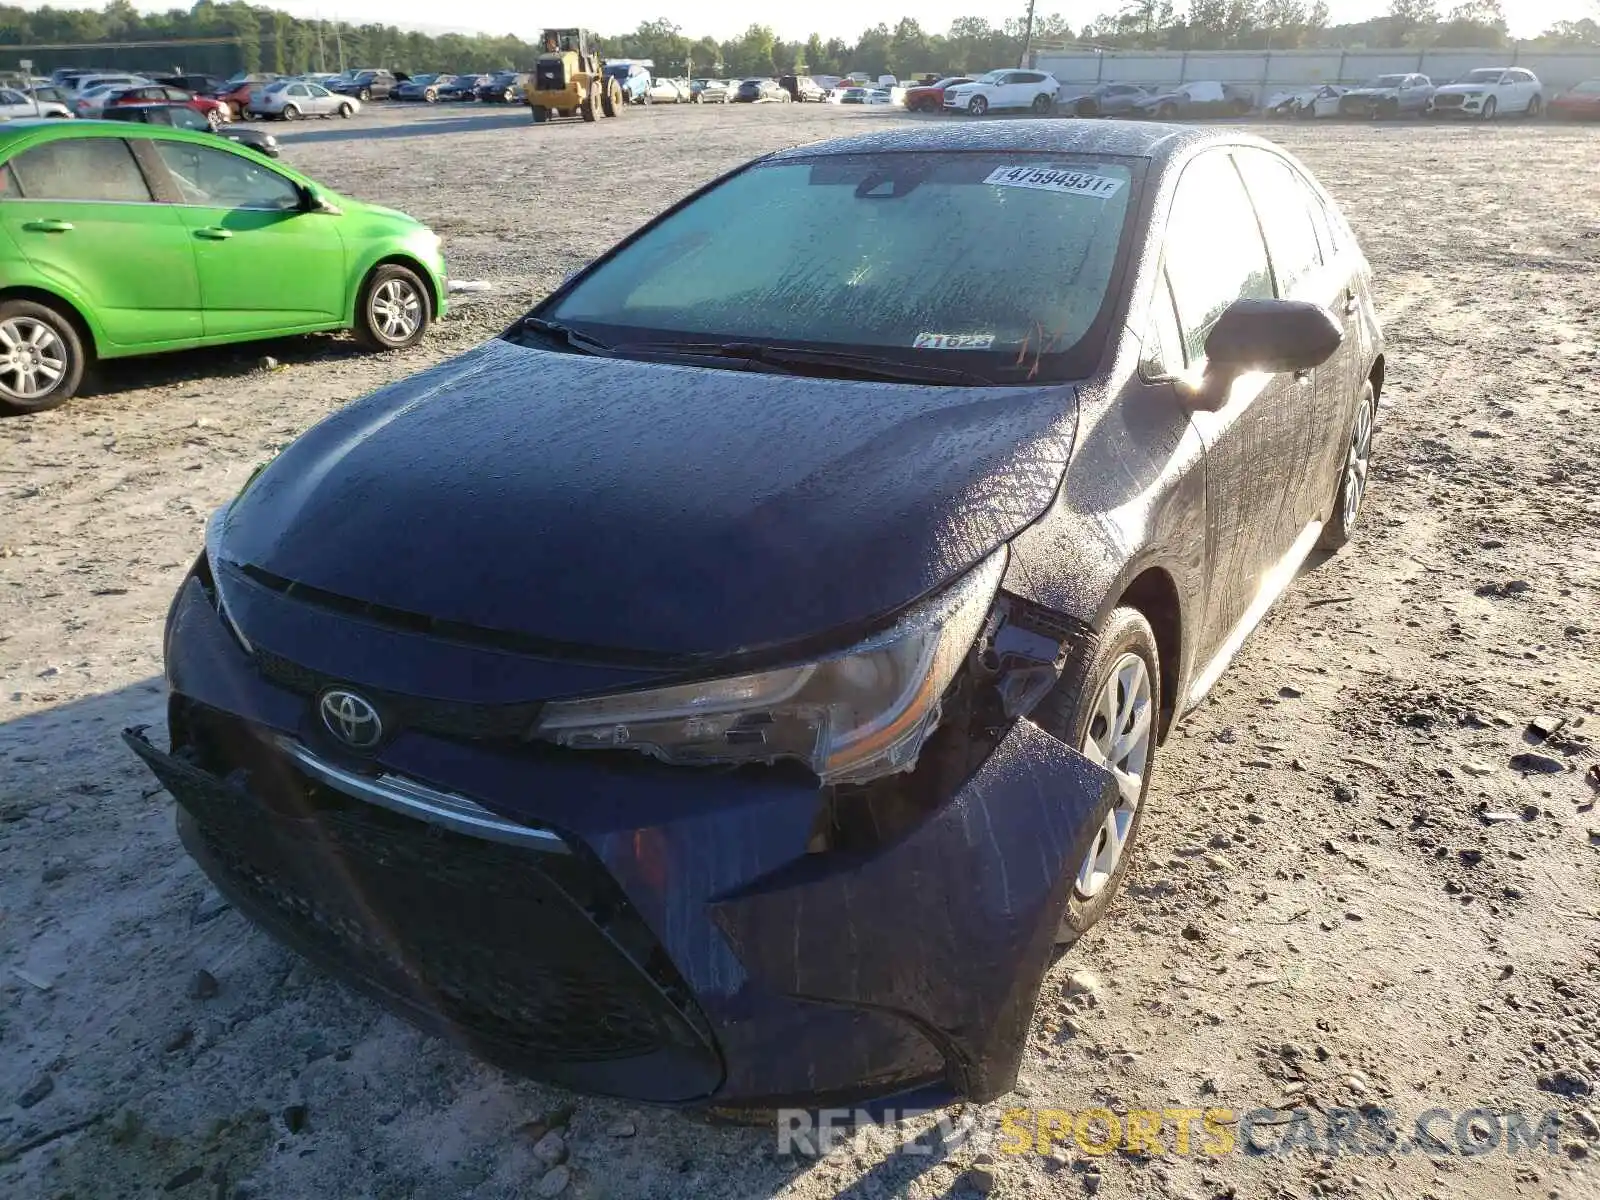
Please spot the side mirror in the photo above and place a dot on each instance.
(1275, 336)
(313, 201)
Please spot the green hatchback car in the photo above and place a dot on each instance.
(119, 239)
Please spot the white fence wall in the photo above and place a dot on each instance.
(1270, 71)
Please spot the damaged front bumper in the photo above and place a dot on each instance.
(618, 926)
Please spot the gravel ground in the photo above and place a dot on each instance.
(1353, 889)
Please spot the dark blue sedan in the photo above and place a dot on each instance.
(730, 685)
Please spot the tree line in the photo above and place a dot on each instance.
(223, 38)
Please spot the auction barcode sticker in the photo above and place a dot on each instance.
(1056, 179)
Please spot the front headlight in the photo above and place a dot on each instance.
(213, 551)
(849, 717)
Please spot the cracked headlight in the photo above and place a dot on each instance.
(850, 717)
(213, 548)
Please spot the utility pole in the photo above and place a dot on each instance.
(338, 38)
(1027, 37)
(322, 55)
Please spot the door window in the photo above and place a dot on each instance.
(218, 179)
(9, 97)
(298, 90)
(1214, 250)
(81, 169)
(314, 90)
(1163, 340)
(176, 95)
(1283, 204)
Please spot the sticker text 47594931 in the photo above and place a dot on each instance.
(1056, 179)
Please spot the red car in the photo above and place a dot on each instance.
(214, 111)
(1581, 102)
(930, 97)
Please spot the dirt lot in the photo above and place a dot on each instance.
(1350, 892)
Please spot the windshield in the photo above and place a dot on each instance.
(1387, 81)
(1483, 76)
(916, 255)
(991, 77)
(1588, 86)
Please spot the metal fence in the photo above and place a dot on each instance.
(1267, 71)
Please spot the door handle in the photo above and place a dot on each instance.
(214, 233)
(48, 225)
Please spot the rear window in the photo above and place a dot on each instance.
(100, 168)
(1003, 255)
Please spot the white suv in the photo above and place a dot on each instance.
(1033, 90)
(1489, 92)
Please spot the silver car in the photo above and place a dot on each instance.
(292, 99)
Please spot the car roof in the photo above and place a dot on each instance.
(27, 128)
(1153, 140)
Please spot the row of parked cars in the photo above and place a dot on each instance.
(1484, 93)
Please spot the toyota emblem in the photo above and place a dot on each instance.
(351, 719)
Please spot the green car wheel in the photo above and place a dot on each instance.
(394, 308)
(41, 358)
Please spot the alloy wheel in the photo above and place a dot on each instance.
(1355, 466)
(396, 309)
(32, 358)
(1119, 739)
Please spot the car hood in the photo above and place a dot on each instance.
(1374, 93)
(673, 511)
(1152, 101)
(1461, 89)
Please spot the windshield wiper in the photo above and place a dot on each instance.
(568, 336)
(851, 364)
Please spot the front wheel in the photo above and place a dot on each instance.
(346, 111)
(1535, 107)
(366, 96)
(214, 119)
(41, 358)
(541, 114)
(1341, 526)
(394, 310)
(611, 99)
(1107, 704)
(1489, 108)
(291, 113)
(588, 110)
(977, 106)
(431, 96)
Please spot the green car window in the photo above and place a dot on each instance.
(81, 169)
(222, 180)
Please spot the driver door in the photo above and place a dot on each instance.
(265, 264)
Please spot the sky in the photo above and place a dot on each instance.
(830, 18)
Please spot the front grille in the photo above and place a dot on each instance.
(1448, 101)
(478, 722)
(534, 960)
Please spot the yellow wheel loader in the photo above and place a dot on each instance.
(569, 80)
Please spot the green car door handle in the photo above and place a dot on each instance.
(50, 225)
(214, 233)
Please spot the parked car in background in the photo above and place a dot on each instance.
(709, 91)
(1103, 100)
(855, 693)
(665, 91)
(632, 76)
(213, 110)
(503, 87)
(1005, 90)
(85, 83)
(424, 87)
(462, 87)
(49, 93)
(373, 83)
(292, 99)
(1388, 96)
(802, 88)
(1205, 98)
(89, 102)
(1490, 92)
(751, 91)
(181, 116)
(1305, 104)
(195, 243)
(15, 103)
(1578, 103)
(236, 92)
(200, 85)
(929, 97)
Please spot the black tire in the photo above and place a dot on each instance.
(977, 106)
(1535, 108)
(1070, 713)
(507, 96)
(589, 109)
(430, 96)
(1042, 104)
(365, 96)
(370, 327)
(541, 114)
(346, 111)
(291, 113)
(1344, 518)
(1490, 107)
(611, 99)
(26, 315)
